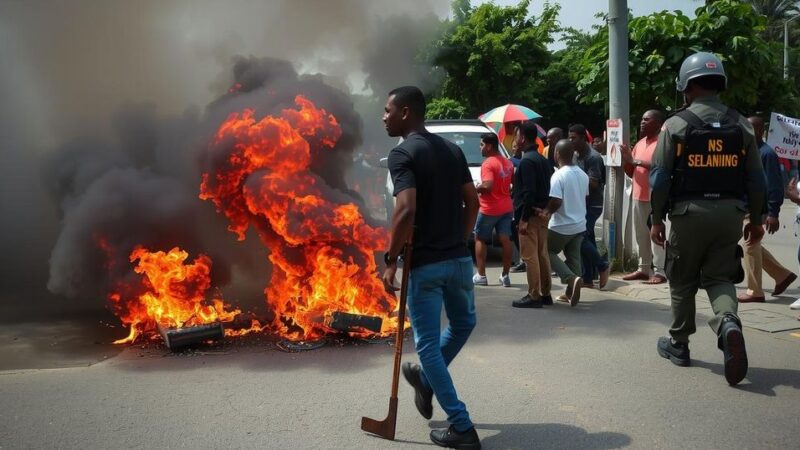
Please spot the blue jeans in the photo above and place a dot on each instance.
(590, 256)
(447, 283)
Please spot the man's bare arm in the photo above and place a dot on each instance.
(485, 187)
(402, 220)
(552, 206)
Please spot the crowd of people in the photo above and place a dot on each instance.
(556, 200)
(706, 169)
(513, 195)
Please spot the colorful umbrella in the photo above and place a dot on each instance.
(496, 118)
(509, 113)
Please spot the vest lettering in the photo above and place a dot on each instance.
(715, 145)
(723, 160)
(711, 165)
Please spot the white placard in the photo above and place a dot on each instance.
(614, 136)
(784, 136)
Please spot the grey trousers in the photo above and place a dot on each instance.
(571, 246)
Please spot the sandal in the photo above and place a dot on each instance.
(656, 279)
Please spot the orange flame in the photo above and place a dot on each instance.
(174, 294)
(322, 251)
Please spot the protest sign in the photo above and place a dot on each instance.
(784, 136)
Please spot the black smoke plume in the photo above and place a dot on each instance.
(102, 133)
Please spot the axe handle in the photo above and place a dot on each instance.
(401, 315)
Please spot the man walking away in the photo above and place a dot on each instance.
(637, 166)
(706, 161)
(496, 209)
(566, 209)
(756, 257)
(592, 164)
(531, 194)
(437, 199)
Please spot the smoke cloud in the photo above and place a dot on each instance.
(108, 106)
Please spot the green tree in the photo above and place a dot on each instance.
(559, 97)
(493, 55)
(659, 42)
(445, 108)
(776, 12)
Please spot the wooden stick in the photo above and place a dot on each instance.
(386, 427)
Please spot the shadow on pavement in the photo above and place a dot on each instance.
(761, 381)
(786, 298)
(598, 314)
(544, 435)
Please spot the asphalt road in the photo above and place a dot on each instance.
(560, 377)
(586, 377)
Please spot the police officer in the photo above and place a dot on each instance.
(706, 174)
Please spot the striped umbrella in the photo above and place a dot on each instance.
(497, 117)
(509, 113)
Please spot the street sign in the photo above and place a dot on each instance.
(614, 134)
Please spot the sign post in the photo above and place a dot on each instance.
(618, 106)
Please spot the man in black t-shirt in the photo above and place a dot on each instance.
(437, 199)
(592, 163)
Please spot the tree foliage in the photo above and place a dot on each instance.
(493, 55)
(776, 12)
(445, 108)
(490, 55)
(659, 42)
(559, 100)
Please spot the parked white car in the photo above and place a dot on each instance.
(464, 133)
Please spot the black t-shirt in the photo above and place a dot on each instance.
(531, 184)
(437, 169)
(594, 166)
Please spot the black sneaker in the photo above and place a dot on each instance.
(547, 300)
(451, 438)
(527, 302)
(521, 267)
(423, 397)
(731, 342)
(676, 352)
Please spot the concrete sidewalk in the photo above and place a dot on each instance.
(773, 316)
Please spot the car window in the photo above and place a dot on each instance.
(470, 144)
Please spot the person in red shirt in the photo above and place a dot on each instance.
(496, 209)
(637, 166)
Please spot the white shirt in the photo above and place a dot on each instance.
(571, 185)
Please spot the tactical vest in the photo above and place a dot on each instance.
(710, 162)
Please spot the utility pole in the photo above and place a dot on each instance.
(618, 107)
(786, 47)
